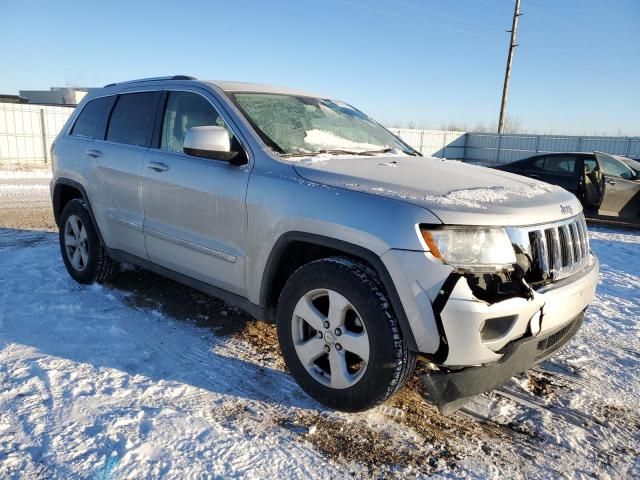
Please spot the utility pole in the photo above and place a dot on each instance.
(507, 73)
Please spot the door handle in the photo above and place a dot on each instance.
(611, 182)
(158, 166)
(94, 153)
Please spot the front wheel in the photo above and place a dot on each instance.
(339, 336)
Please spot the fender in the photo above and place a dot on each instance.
(56, 201)
(278, 250)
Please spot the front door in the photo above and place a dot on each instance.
(195, 212)
(622, 196)
(592, 187)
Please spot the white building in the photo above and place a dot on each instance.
(55, 95)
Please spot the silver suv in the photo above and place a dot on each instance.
(303, 210)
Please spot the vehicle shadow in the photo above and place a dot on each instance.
(139, 324)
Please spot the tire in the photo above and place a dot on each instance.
(87, 261)
(367, 319)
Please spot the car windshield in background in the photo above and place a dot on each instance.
(299, 126)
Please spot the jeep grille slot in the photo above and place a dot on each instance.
(564, 247)
(556, 250)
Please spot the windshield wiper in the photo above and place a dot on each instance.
(374, 152)
(359, 152)
(307, 154)
(340, 151)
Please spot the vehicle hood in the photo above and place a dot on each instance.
(458, 193)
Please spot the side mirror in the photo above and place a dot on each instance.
(211, 142)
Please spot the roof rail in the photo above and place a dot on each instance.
(154, 79)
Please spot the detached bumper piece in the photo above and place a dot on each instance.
(452, 390)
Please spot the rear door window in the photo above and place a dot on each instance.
(536, 164)
(560, 164)
(92, 121)
(133, 118)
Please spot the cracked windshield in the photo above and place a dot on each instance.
(299, 125)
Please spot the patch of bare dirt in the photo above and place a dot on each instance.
(263, 337)
(153, 292)
(28, 219)
(424, 417)
(540, 384)
(377, 450)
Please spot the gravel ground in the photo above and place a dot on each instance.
(25, 201)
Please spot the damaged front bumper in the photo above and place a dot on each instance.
(480, 341)
(451, 390)
(535, 328)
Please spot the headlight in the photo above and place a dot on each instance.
(474, 248)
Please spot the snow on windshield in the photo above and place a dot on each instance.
(324, 140)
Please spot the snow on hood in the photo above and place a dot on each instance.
(452, 190)
(330, 141)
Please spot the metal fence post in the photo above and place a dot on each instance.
(537, 143)
(422, 142)
(44, 136)
(628, 147)
(444, 144)
(464, 151)
(579, 144)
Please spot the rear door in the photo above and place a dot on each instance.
(622, 195)
(561, 170)
(118, 165)
(195, 212)
(112, 134)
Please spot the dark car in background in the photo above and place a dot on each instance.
(608, 186)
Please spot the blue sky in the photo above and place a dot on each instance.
(577, 69)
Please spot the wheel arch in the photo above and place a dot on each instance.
(294, 249)
(66, 190)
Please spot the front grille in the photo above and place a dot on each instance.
(554, 250)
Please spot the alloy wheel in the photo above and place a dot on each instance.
(76, 243)
(330, 338)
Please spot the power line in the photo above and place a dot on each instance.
(429, 10)
(400, 16)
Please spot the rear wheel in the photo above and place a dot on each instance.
(339, 336)
(82, 252)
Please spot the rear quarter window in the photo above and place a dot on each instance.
(92, 121)
(133, 118)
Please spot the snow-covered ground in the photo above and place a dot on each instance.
(143, 378)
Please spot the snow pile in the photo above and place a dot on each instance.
(485, 196)
(324, 140)
(476, 198)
